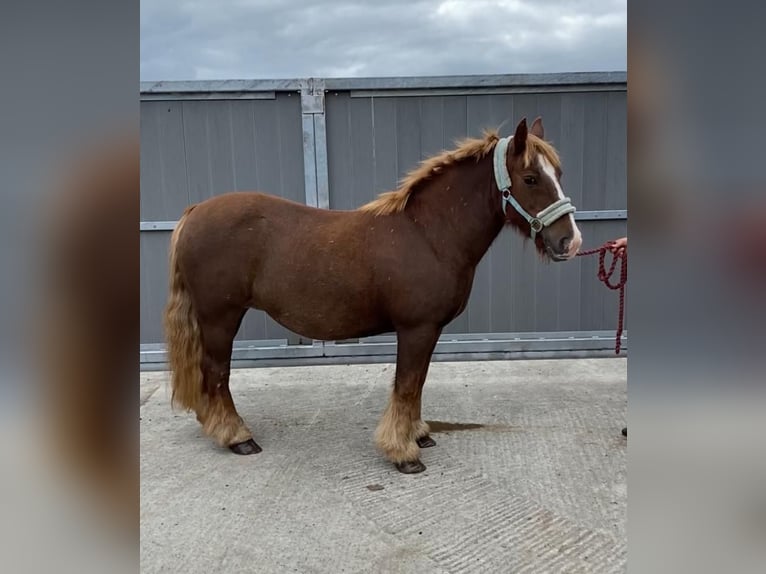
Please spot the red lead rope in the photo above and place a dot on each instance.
(605, 277)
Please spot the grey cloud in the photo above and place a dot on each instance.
(188, 39)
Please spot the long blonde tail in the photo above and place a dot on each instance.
(182, 334)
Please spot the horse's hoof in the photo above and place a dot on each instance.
(625, 431)
(410, 466)
(425, 441)
(247, 447)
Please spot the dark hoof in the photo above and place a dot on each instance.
(426, 442)
(410, 467)
(625, 431)
(247, 447)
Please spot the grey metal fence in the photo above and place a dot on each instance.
(337, 143)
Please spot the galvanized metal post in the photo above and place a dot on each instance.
(314, 155)
(315, 143)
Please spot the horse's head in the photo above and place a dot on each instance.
(533, 199)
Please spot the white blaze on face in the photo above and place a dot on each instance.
(550, 172)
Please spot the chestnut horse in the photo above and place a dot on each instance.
(404, 262)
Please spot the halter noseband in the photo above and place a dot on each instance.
(543, 219)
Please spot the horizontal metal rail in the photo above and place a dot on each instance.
(383, 349)
(231, 89)
(608, 214)
(489, 90)
(189, 96)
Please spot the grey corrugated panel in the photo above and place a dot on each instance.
(549, 108)
(408, 132)
(339, 160)
(267, 148)
(501, 114)
(431, 113)
(616, 156)
(164, 183)
(595, 144)
(455, 120)
(220, 149)
(478, 310)
(243, 145)
(386, 175)
(365, 143)
(571, 146)
(525, 262)
(243, 135)
(503, 281)
(570, 143)
(289, 136)
(568, 293)
(196, 143)
(154, 284)
(360, 142)
(343, 142)
(454, 128)
(547, 300)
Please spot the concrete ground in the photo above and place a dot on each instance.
(528, 475)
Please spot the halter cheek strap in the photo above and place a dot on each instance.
(543, 219)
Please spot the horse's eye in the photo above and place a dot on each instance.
(530, 180)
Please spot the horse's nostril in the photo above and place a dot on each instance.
(564, 244)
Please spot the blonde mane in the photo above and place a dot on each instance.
(469, 148)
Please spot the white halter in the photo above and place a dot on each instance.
(543, 219)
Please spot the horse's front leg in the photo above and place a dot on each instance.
(422, 436)
(398, 431)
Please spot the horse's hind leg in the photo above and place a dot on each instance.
(397, 432)
(217, 413)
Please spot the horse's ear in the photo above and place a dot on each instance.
(520, 138)
(537, 128)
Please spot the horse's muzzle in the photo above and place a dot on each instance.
(561, 251)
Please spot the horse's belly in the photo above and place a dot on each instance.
(322, 314)
(328, 327)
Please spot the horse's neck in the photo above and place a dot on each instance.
(459, 211)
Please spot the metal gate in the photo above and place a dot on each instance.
(337, 143)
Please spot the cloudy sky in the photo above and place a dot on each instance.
(242, 39)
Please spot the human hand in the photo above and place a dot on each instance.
(618, 245)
